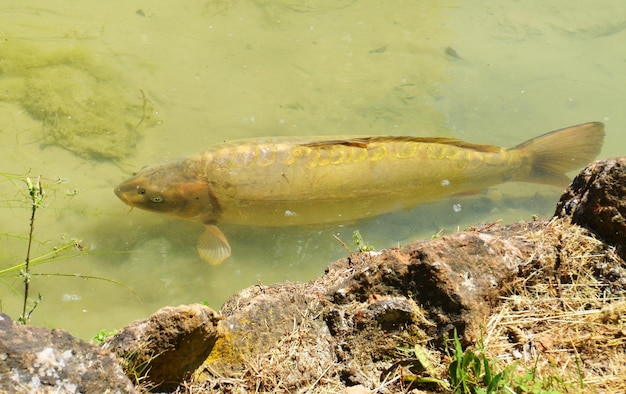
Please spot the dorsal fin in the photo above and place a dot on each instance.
(363, 142)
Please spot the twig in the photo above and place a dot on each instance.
(343, 244)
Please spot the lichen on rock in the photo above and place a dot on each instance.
(38, 360)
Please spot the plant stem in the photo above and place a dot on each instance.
(36, 195)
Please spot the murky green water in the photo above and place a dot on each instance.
(496, 72)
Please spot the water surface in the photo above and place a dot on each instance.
(495, 72)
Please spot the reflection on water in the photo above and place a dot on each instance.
(216, 70)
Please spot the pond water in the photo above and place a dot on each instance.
(90, 92)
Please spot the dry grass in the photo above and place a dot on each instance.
(563, 326)
(299, 362)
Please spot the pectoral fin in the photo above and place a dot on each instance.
(213, 246)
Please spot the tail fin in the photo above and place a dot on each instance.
(560, 151)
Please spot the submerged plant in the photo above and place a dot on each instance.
(71, 247)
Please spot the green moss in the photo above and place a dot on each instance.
(82, 103)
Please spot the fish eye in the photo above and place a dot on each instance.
(156, 199)
(141, 190)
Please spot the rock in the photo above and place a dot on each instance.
(167, 347)
(455, 279)
(271, 328)
(596, 199)
(36, 359)
(359, 389)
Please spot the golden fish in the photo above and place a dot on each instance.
(291, 181)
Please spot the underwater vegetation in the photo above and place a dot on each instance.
(83, 104)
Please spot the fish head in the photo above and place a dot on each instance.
(167, 189)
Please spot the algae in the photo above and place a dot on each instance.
(83, 104)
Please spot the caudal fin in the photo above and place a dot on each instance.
(555, 153)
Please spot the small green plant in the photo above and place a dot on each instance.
(529, 382)
(362, 246)
(438, 233)
(416, 369)
(357, 240)
(472, 372)
(103, 335)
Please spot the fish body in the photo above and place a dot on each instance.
(287, 181)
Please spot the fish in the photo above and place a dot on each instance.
(306, 181)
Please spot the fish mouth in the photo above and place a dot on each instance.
(118, 192)
(124, 191)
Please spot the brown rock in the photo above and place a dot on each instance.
(167, 347)
(369, 333)
(271, 328)
(39, 360)
(455, 278)
(596, 199)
